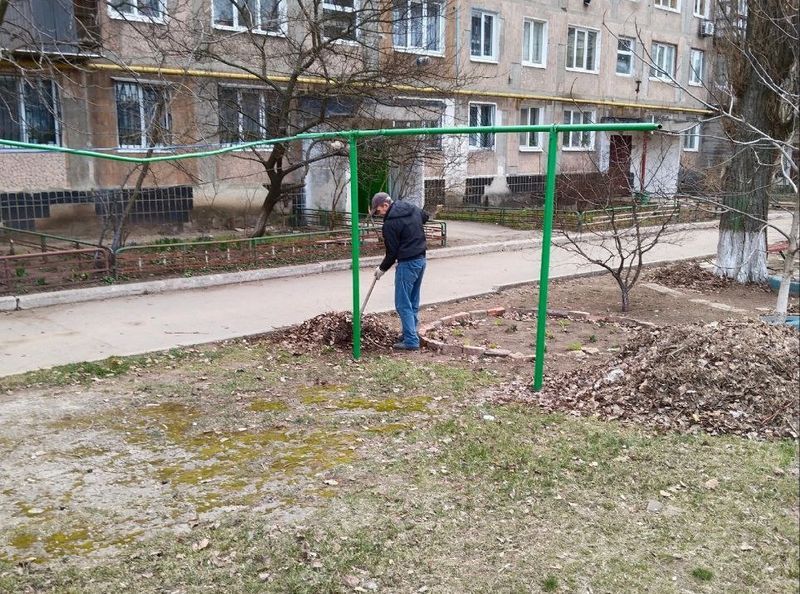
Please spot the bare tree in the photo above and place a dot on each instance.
(752, 97)
(758, 50)
(613, 225)
(311, 65)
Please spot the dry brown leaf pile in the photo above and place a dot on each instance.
(689, 275)
(737, 377)
(335, 329)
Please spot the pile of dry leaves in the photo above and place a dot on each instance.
(689, 275)
(335, 329)
(735, 377)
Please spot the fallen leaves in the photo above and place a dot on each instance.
(733, 377)
(201, 544)
(689, 275)
(335, 329)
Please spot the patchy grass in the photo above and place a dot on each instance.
(325, 475)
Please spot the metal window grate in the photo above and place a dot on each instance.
(434, 192)
(473, 190)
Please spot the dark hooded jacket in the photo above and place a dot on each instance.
(403, 233)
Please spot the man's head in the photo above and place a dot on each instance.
(380, 203)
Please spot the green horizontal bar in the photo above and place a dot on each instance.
(461, 130)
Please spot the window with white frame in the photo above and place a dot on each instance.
(697, 64)
(702, 8)
(242, 114)
(534, 43)
(582, 51)
(143, 118)
(150, 10)
(583, 141)
(339, 19)
(529, 116)
(29, 110)
(668, 4)
(625, 53)
(663, 66)
(252, 15)
(418, 25)
(483, 35)
(481, 114)
(691, 139)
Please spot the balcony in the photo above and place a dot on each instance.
(57, 28)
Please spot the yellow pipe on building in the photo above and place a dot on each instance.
(192, 72)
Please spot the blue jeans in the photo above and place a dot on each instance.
(407, 283)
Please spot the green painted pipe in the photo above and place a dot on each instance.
(544, 274)
(346, 134)
(355, 243)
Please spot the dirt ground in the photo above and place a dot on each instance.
(101, 462)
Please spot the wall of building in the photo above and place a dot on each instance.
(89, 111)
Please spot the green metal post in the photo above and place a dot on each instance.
(355, 244)
(547, 235)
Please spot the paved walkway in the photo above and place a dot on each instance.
(61, 334)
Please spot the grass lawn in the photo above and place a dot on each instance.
(244, 468)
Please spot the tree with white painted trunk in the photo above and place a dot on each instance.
(753, 96)
(758, 51)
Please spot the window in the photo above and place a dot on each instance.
(663, 66)
(483, 44)
(534, 43)
(691, 139)
(143, 119)
(28, 110)
(529, 116)
(582, 49)
(669, 4)
(697, 59)
(242, 115)
(149, 10)
(255, 15)
(625, 51)
(583, 141)
(481, 114)
(702, 8)
(418, 25)
(339, 19)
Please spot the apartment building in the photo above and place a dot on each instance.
(137, 75)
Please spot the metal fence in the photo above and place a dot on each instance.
(32, 261)
(573, 220)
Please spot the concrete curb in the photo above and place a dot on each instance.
(36, 300)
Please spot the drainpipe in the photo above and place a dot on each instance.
(644, 162)
(459, 34)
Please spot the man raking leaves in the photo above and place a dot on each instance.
(404, 238)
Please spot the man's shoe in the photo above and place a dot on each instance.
(401, 346)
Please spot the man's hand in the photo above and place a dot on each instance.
(378, 272)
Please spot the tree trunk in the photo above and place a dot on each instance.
(625, 294)
(753, 61)
(742, 246)
(274, 167)
(782, 304)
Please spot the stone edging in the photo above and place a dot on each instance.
(497, 312)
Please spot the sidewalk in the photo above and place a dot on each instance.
(90, 331)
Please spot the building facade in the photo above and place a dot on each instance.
(135, 76)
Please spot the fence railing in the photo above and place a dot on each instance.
(237, 254)
(435, 231)
(572, 220)
(23, 273)
(13, 241)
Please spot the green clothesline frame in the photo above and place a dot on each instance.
(352, 137)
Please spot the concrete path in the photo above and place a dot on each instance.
(90, 331)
